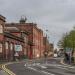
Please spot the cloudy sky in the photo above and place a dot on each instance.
(56, 16)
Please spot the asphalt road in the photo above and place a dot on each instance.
(42, 67)
(3, 72)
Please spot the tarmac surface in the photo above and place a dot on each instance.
(41, 67)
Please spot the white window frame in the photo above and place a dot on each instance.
(1, 47)
(6, 45)
(11, 46)
(1, 28)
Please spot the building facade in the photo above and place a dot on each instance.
(35, 38)
(21, 34)
(13, 42)
(2, 23)
(22, 40)
(13, 47)
(48, 47)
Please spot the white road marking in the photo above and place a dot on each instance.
(34, 64)
(72, 67)
(32, 68)
(62, 68)
(25, 65)
(47, 73)
(56, 65)
(43, 72)
(42, 66)
(38, 63)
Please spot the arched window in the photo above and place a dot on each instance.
(1, 28)
(6, 45)
(0, 47)
(11, 46)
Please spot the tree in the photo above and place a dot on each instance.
(68, 40)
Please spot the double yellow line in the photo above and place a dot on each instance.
(7, 70)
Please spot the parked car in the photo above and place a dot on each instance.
(55, 55)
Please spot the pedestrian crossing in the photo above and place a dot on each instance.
(45, 65)
(43, 68)
(41, 71)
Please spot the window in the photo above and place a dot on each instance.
(0, 48)
(6, 45)
(1, 28)
(11, 46)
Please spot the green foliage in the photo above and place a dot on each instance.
(68, 40)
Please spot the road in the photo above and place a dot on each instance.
(3, 72)
(41, 67)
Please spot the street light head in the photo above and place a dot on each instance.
(46, 30)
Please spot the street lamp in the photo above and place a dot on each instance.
(46, 34)
(46, 47)
(47, 43)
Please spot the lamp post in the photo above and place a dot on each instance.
(46, 39)
(46, 47)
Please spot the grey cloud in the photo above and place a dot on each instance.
(58, 16)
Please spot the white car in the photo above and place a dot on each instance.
(55, 55)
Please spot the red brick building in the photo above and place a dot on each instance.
(22, 34)
(35, 37)
(2, 23)
(13, 42)
(48, 47)
(22, 39)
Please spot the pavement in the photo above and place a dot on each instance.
(2, 72)
(65, 63)
(51, 66)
